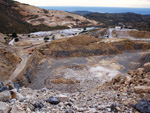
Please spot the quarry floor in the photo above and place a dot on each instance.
(83, 73)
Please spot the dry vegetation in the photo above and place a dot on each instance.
(63, 81)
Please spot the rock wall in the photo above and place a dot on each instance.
(28, 72)
(82, 46)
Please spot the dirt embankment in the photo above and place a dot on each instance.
(8, 63)
(99, 33)
(27, 74)
(88, 46)
(140, 34)
(135, 34)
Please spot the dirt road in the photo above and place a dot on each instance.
(23, 54)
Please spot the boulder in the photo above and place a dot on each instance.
(5, 96)
(17, 95)
(140, 71)
(17, 109)
(143, 106)
(4, 108)
(38, 106)
(13, 85)
(3, 88)
(62, 98)
(44, 89)
(147, 67)
(142, 89)
(53, 100)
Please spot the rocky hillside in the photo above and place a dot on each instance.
(23, 18)
(8, 61)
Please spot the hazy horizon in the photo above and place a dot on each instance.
(90, 3)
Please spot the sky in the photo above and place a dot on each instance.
(97, 3)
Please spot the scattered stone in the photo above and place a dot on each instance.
(62, 98)
(17, 109)
(108, 109)
(5, 96)
(43, 89)
(92, 110)
(3, 88)
(69, 111)
(53, 100)
(13, 85)
(1, 84)
(12, 101)
(72, 100)
(143, 106)
(79, 109)
(38, 106)
(118, 109)
(142, 89)
(68, 104)
(16, 95)
(147, 67)
(101, 107)
(4, 108)
(114, 106)
(28, 110)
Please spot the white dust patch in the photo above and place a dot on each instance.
(98, 74)
(103, 73)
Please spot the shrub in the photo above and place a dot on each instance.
(16, 39)
(14, 35)
(53, 38)
(46, 38)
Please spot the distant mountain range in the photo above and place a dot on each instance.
(82, 12)
(131, 20)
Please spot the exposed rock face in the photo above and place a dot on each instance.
(85, 45)
(28, 72)
(137, 81)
